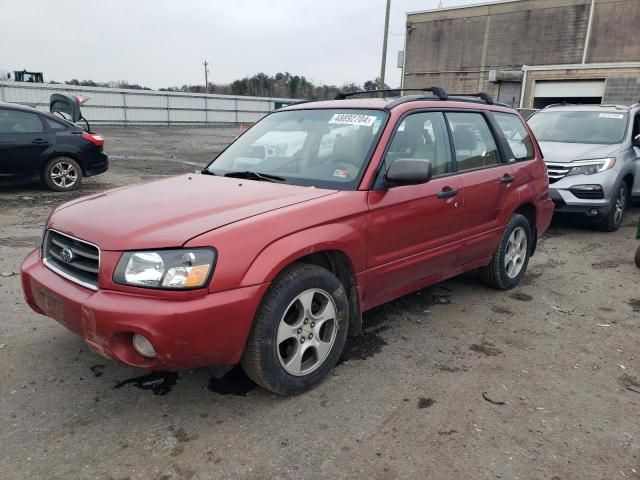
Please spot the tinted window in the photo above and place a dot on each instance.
(13, 121)
(516, 135)
(422, 135)
(472, 140)
(54, 124)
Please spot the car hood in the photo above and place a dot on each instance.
(169, 212)
(568, 152)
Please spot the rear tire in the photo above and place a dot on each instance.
(62, 174)
(619, 203)
(510, 261)
(299, 331)
(638, 257)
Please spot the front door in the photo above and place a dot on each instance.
(414, 231)
(22, 142)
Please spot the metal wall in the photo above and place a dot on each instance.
(124, 106)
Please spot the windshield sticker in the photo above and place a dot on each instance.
(617, 116)
(353, 119)
(340, 173)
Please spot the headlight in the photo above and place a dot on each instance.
(589, 167)
(166, 269)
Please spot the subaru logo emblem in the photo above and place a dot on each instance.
(66, 255)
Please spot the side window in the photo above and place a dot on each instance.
(516, 135)
(54, 125)
(472, 141)
(422, 135)
(14, 121)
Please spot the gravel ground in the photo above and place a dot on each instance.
(455, 381)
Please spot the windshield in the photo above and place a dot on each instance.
(322, 148)
(579, 126)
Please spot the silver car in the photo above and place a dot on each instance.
(591, 152)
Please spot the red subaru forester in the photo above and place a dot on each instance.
(269, 256)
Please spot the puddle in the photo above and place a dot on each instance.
(486, 348)
(501, 310)
(160, 383)
(629, 382)
(235, 382)
(523, 297)
(363, 346)
(425, 402)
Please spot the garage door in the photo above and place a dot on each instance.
(583, 91)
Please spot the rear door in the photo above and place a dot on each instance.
(23, 140)
(413, 230)
(486, 179)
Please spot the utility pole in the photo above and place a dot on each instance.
(384, 45)
(206, 77)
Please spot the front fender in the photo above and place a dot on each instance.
(347, 237)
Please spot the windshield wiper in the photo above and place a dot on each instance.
(251, 175)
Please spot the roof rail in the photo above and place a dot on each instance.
(437, 91)
(560, 104)
(481, 95)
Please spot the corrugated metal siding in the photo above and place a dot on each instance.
(107, 105)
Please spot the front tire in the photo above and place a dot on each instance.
(612, 221)
(62, 174)
(510, 260)
(299, 331)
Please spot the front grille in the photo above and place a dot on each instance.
(71, 258)
(557, 171)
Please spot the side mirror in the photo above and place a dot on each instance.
(409, 171)
(636, 141)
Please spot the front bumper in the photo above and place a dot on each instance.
(567, 202)
(189, 333)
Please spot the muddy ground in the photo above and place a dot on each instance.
(456, 381)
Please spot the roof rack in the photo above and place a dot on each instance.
(437, 91)
(481, 95)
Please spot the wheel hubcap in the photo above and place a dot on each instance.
(621, 202)
(64, 175)
(307, 332)
(516, 252)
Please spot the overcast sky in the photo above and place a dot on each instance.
(160, 43)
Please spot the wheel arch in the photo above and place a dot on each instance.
(528, 210)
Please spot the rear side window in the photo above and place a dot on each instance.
(473, 142)
(14, 121)
(516, 135)
(54, 125)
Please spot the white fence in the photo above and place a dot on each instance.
(125, 106)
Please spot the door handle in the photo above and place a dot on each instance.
(40, 141)
(507, 179)
(448, 192)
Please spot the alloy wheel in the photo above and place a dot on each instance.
(307, 332)
(516, 253)
(64, 175)
(621, 203)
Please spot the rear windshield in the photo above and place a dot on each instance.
(579, 126)
(321, 148)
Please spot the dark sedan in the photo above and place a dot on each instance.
(38, 145)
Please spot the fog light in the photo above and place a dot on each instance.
(593, 212)
(143, 346)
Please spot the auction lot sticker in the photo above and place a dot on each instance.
(353, 119)
(617, 116)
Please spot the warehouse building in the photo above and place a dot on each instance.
(529, 53)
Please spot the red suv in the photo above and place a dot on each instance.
(317, 213)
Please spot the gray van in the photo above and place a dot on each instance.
(591, 152)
